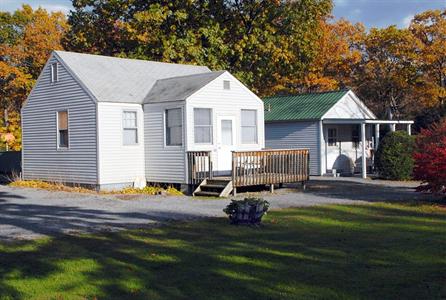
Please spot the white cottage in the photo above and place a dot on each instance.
(338, 129)
(111, 122)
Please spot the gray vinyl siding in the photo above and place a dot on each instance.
(289, 135)
(164, 164)
(41, 158)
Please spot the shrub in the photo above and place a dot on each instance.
(246, 211)
(394, 158)
(430, 159)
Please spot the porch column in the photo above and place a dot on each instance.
(376, 136)
(409, 129)
(392, 127)
(363, 158)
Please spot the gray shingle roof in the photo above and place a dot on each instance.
(179, 88)
(112, 79)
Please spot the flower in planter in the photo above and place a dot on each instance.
(246, 211)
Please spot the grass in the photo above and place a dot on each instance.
(377, 251)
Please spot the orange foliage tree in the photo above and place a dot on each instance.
(27, 38)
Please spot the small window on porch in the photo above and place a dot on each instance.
(249, 126)
(203, 125)
(332, 137)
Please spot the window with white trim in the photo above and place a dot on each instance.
(62, 129)
(203, 125)
(174, 127)
(226, 85)
(332, 138)
(249, 126)
(54, 72)
(129, 128)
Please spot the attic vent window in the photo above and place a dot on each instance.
(226, 85)
(54, 73)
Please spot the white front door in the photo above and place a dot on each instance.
(225, 144)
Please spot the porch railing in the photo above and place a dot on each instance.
(199, 166)
(270, 167)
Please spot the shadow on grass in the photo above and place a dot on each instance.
(372, 251)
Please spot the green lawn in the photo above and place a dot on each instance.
(378, 251)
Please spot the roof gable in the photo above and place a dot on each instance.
(349, 107)
(311, 106)
(112, 79)
(179, 88)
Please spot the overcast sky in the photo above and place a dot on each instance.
(373, 13)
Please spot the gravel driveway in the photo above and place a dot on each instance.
(30, 213)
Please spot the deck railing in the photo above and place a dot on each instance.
(270, 167)
(199, 165)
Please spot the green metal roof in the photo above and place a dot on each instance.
(300, 107)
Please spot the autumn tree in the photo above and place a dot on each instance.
(389, 71)
(429, 28)
(27, 38)
(339, 53)
(262, 42)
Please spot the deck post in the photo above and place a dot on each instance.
(363, 158)
(234, 191)
(271, 188)
(409, 129)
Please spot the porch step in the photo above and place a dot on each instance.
(214, 188)
(207, 194)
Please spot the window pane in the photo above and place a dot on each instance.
(202, 116)
(129, 119)
(226, 84)
(130, 136)
(63, 138)
(203, 134)
(62, 116)
(54, 74)
(174, 129)
(174, 117)
(249, 117)
(226, 132)
(249, 135)
(249, 126)
(174, 136)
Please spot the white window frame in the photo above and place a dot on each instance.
(165, 127)
(54, 67)
(211, 125)
(331, 143)
(256, 126)
(57, 130)
(226, 84)
(132, 128)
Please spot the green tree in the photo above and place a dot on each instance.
(262, 42)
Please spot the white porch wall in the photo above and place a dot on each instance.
(119, 163)
(224, 103)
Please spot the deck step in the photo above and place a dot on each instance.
(207, 194)
(214, 188)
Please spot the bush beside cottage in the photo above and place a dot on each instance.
(394, 157)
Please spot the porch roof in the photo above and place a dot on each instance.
(312, 106)
(366, 121)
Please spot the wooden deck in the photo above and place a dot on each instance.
(251, 168)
